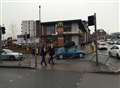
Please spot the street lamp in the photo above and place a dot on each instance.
(0, 37)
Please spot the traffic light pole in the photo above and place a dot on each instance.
(96, 39)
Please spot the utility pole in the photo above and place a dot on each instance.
(39, 37)
(91, 22)
(0, 37)
(96, 39)
(40, 30)
(35, 45)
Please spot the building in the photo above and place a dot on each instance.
(56, 32)
(29, 34)
(70, 30)
(115, 36)
(28, 27)
(101, 34)
(20, 40)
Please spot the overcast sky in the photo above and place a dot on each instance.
(12, 12)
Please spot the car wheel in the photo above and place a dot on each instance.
(11, 58)
(118, 57)
(110, 54)
(81, 55)
(61, 56)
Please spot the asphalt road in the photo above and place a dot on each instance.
(100, 81)
(24, 78)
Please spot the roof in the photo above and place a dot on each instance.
(81, 23)
(64, 21)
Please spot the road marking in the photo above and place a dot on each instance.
(11, 81)
(78, 84)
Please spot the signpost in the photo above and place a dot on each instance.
(91, 22)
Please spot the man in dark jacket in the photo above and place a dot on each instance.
(43, 54)
(51, 54)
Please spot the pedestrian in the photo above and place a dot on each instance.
(43, 54)
(51, 54)
(33, 51)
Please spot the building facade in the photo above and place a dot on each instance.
(101, 34)
(29, 33)
(28, 27)
(72, 30)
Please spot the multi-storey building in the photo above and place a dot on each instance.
(28, 27)
(73, 30)
(28, 32)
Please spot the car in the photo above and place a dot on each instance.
(69, 53)
(7, 54)
(110, 42)
(118, 42)
(102, 45)
(114, 51)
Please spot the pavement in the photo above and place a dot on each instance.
(76, 65)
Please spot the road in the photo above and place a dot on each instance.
(24, 78)
(53, 78)
(100, 81)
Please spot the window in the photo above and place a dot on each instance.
(50, 29)
(67, 28)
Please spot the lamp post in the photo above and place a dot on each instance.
(96, 39)
(0, 37)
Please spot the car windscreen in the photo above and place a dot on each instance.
(73, 50)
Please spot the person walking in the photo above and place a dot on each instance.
(51, 54)
(43, 54)
(33, 51)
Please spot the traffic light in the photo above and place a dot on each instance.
(3, 30)
(91, 20)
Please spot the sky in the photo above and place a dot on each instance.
(12, 12)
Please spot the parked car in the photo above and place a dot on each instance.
(102, 45)
(69, 53)
(7, 54)
(115, 51)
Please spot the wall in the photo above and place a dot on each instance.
(75, 39)
(75, 27)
